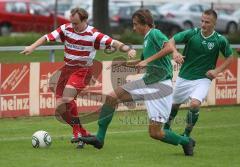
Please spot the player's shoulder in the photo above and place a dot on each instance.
(194, 31)
(156, 32)
(91, 29)
(67, 26)
(220, 37)
(189, 33)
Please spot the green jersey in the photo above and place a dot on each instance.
(201, 53)
(160, 69)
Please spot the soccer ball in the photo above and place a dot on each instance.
(41, 139)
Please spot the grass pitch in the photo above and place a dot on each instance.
(127, 142)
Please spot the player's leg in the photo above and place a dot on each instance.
(173, 114)
(158, 112)
(181, 94)
(120, 94)
(199, 93)
(192, 116)
(106, 115)
(108, 108)
(67, 89)
(167, 136)
(57, 83)
(76, 83)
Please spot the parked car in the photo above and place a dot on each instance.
(26, 16)
(188, 15)
(237, 14)
(88, 6)
(125, 14)
(61, 8)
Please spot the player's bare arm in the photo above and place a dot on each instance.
(29, 49)
(163, 52)
(124, 48)
(213, 73)
(177, 56)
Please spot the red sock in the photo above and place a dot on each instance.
(76, 125)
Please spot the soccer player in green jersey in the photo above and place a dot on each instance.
(202, 47)
(155, 88)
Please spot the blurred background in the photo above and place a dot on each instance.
(113, 17)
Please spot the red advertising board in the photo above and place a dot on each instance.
(226, 85)
(47, 100)
(14, 92)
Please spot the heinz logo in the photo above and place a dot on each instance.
(14, 103)
(15, 78)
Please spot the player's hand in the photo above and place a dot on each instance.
(131, 54)
(178, 57)
(212, 74)
(27, 50)
(141, 64)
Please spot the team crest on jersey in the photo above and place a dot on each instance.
(210, 45)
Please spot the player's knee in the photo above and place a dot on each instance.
(66, 99)
(156, 134)
(195, 104)
(60, 108)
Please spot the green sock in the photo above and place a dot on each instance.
(192, 117)
(173, 138)
(173, 114)
(104, 120)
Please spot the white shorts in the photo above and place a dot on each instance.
(157, 97)
(190, 89)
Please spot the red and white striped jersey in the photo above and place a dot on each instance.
(80, 48)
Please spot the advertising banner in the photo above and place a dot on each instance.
(226, 85)
(14, 92)
(47, 101)
(24, 88)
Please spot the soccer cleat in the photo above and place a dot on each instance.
(76, 139)
(188, 148)
(92, 140)
(80, 145)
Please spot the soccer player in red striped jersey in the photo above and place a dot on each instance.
(81, 42)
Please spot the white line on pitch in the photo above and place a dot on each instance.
(116, 132)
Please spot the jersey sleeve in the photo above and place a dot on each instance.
(158, 39)
(184, 36)
(225, 48)
(102, 41)
(56, 35)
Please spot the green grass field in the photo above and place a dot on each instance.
(127, 142)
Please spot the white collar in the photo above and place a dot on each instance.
(147, 33)
(81, 31)
(207, 36)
